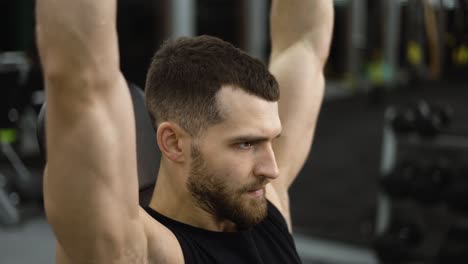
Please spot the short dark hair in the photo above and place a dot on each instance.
(185, 75)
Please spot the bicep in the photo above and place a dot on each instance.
(90, 186)
(299, 74)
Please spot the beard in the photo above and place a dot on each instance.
(212, 194)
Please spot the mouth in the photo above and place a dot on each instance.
(257, 192)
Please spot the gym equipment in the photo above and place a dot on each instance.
(148, 154)
(414, 39)
(399, 241)
(399, 182)
(421, 180)
(455, 194)
(455, 45)
(14, 68)
(429, 185)
(9, 214)
(424, 174)
(422, 118)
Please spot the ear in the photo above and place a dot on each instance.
(172, 141)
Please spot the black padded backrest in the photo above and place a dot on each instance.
(148, 155)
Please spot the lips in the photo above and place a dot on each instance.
(260, 186)
(257, 192)
(258, 189)
(255, 189)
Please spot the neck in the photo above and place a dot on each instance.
(172, 199)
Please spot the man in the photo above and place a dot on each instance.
(230, 151)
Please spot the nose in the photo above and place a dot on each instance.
(266, 164)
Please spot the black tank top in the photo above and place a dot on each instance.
(268, 242)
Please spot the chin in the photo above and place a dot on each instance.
(251, 212)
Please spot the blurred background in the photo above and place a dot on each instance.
(387, 177)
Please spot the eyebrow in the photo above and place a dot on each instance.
(252, 138)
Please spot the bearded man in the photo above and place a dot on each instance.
(231, 146)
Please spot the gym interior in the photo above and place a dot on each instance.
(386, 180)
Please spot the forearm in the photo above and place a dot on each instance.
(307, 21)
(77, 35)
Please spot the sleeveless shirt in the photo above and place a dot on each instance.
(268, 242)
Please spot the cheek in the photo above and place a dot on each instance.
(230, 165)
(233, 171)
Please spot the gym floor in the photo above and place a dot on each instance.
(333, 201)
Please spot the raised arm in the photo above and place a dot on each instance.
(90, 185)
(301, 33)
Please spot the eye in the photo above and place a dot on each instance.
(245, 145)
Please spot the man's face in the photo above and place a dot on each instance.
(234, 160)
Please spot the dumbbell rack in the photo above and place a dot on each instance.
(15, 185)
(9, 214)
(14, 70)
(429, 221)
